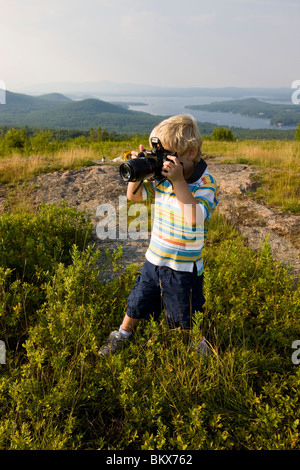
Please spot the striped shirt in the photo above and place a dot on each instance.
(174, 243)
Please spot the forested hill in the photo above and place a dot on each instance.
(56, 111)
(20, 103)
(279, 114)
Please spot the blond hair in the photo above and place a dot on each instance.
(180, 134)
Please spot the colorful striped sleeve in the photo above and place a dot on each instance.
(207, 194)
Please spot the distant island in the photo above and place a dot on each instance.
(279, 114)
(127, 104)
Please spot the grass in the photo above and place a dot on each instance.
(279, 164)
(17, 168)
(270, 154)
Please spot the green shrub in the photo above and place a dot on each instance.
(15, 139)
(58, 380)
(223, 134)
(32, 245)
(156, 392)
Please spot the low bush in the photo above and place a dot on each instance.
(156, 392)
(32, 244)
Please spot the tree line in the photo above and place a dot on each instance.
(29, 140)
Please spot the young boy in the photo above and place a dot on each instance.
(172, 275)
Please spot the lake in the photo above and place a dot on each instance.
(166, 106)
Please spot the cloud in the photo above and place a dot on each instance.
(150, 41)
(195, 20)
(155, 19)
(272, 3)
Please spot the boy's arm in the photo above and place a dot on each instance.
(189, 206)
(138, 196)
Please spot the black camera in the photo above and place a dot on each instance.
(148, 165)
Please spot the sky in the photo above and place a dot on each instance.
(175, 43)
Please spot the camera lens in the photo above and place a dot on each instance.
(125, 172)
(138, 169)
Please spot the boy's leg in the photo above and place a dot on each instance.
(183, 296)
(143, 301)
(129, 323)
(118, 337)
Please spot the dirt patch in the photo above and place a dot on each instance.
(89, 187)
(254, 219)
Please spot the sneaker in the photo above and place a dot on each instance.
(202, 348)
(113, 342)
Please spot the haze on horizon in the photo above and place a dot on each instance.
(241, 43)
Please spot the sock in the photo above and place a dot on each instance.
(125, 333)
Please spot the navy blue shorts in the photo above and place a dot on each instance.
(160, 287)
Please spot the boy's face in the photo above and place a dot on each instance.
(185, 159)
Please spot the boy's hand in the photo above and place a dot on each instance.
(173, 170)
(134, 154)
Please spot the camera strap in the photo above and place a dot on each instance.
(138, 187)
(198, 171)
